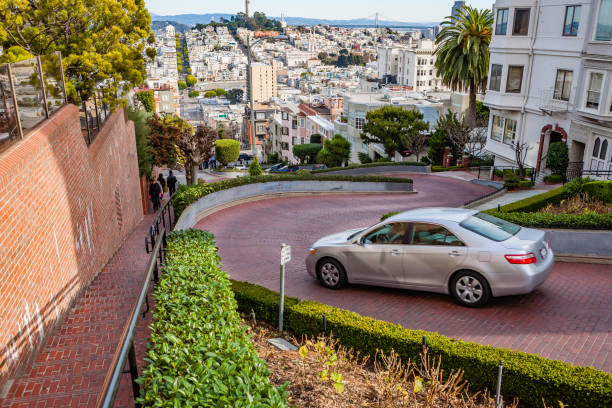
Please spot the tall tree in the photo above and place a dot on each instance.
(165, 132)
(462, 50)
(196, 147)
(335, 152)
(393, 127)
(101, 41)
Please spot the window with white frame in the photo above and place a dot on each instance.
(593, 93)
(603, 30)
(515, 79)
(359, 123)
(260, 115)
(572, 19)
(501, 22)
(294, 140)
(285, 115)
(302, 123)
(563, 85)
(495, 77)
(503, 129)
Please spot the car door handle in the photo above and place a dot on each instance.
(395, 252)
(454, 253)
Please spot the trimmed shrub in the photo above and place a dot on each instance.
(193, 94)
(526, 183)
(364, 158)
(538, 201)
(599, 190)
(554, 178)
(359, 166)
(307, 152)
(557, 158)
(186, 195)
(199, 353)
(227, 150)
(382, 160)
(511, 180)
(529, 377)
(437, 169)
(587, 220)
(254, 168)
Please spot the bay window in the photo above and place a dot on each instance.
(515, 79)
(503, 129)
(563, 85)
(603, 30)
(593, 94)
(501, 22)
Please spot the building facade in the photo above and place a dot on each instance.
(550, 80)
(265, 86)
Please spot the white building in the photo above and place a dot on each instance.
(550, 80)
(412, 65)
(265, 86)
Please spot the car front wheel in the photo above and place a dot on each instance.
(470, 289)
(331, 274)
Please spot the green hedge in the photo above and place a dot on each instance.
(199, 353)
(536, 202)
(599, 190)
(186, 195)
(359, 166)
(589, 220)
(227, 150)
(437, 169)
(528, 377)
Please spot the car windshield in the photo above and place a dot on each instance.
(490, 227)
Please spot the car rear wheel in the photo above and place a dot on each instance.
(470, 289)
(331, 274)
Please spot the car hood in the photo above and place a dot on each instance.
(337, 238)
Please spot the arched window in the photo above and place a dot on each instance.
(596, 148)
(604, 150)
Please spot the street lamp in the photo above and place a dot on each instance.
(250, 89)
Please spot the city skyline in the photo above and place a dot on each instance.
(391, 10)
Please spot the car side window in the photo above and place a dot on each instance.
(431, 234)
(388, 234)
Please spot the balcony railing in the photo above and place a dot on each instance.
(30, 91)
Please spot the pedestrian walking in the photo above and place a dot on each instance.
(162, 181)
(155, 193)
(171, 183)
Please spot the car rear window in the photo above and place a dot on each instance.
(490, 227)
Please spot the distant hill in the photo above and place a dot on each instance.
(159, 24)
(193, 19)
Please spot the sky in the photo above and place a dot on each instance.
(394, 10)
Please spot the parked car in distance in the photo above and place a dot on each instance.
(274, 168)
(471, 255)
(286, 169)
(318, 167)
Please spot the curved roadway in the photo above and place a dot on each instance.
(568, 318)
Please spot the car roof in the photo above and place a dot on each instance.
(433, 214)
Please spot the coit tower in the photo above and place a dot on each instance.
(248, 7)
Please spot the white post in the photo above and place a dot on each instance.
(285, 257)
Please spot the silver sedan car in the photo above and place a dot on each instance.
(469, 254)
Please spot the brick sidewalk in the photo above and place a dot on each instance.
(69, 370)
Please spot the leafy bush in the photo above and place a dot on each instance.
(335, 152)
(315, 138)
(389, 214)
(437, 169)
(186, 195)
(511, 181)
(526, 183)
(307, 152)
(199, 353)
(182, 85)
(254, 168)
(529, 377)
(210, 94)
(190, 80)
(587, 220)
(364, 158)
(498, 173)
(147, 99)
(382, 160)
(557, 158)
(359, 166)
(227, 150)
(554, 178)
(193, 94)
(599, 190)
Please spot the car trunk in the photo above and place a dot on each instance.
(528, 239)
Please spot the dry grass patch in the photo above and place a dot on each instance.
(323, 374)
(578, 204)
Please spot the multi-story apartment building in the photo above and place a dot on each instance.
(550, 80)
(412, 65)
(265, 86)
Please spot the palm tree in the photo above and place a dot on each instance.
(463, 52)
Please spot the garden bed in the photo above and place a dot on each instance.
(365, 165)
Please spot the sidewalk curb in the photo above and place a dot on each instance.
(485, 199)
(580, 258)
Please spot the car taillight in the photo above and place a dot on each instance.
(521, 259)
(548, 243)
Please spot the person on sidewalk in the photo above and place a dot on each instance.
(171, 183)
(162, 181)
(155, 194)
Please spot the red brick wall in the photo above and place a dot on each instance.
(65, 208)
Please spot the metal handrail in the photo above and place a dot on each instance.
(167, 211)
(126, 343)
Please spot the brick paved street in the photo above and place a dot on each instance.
(568, 318)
